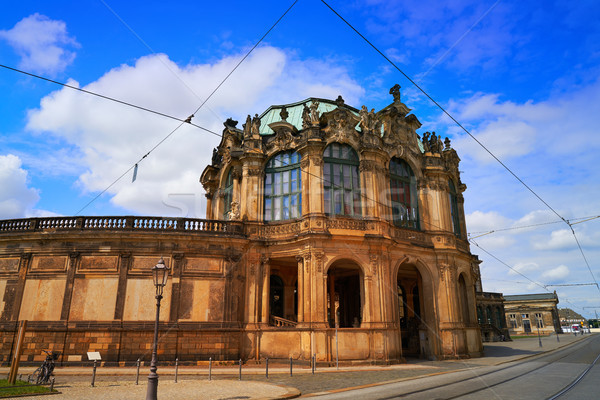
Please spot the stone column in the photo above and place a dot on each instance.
(300, 261)
(318, 298)
(370, 207)
(209, 204)
(266, 291)
(332, 314)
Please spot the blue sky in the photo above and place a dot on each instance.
(522, 77)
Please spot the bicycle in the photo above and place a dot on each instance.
(44, 372)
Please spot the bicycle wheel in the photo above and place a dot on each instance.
(37, 376)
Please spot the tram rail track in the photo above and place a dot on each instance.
(551, 357)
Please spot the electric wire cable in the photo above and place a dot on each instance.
(197, 109)
(105, 97)
(466, 131)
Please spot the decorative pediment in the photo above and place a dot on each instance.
(285, 136)
(340, 124)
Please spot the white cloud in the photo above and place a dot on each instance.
(524, 268)
(112, 137)
(43, 44)
(556, 274)
(561, 125)
(16, 198)
(479, 221)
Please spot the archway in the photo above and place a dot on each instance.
(276, 296)
(410, 308)
(345, 294)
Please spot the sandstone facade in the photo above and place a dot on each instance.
(323, 222)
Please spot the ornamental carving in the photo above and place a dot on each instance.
(373, 258)
(254, 171)
(319, 261)
(340, 125)
(443, 268)
(352, 224)
(367, 165)
(318, 161)
(236, 173)
(289, 228)
(304, 162)
(369, 122)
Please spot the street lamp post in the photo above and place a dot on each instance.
(160, 273)
(537, 320)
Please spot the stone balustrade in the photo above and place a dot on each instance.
(195, 225)
(127, 223)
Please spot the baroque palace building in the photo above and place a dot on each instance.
(325, 224)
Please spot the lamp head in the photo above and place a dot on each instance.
(160, 273)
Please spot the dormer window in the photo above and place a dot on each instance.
(341, 184)
(283, 187)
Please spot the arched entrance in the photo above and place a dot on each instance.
(410, 306)
(277, 296)
(345, 294)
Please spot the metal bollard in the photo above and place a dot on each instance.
(176, 368)
(240, 369)
(267, 368)
(313, 364)
(52, 385)
(94, 373)
(291, 366)
(210, 368)
(137, 375)
(557, 338)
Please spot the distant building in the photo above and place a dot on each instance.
(525, 313)
(568, 318)
(490, 313)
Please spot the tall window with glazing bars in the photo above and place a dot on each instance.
(283, 187)
(403, 187)
(454, 208)
(341, 186)
(227, 193)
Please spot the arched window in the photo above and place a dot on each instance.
(341, 185)
(228, 193)
(454, 208)
(403, 185)
(283, 187)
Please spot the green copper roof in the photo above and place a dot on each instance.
(295, 113)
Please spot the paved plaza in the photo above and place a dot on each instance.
(193, 382)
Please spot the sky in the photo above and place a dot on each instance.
(522, 77)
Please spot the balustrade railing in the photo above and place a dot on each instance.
(127, 223)
(282, 322)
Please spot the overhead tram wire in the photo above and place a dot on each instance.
(441, 108)
(545, 287)
(146, 45)
(483, 233)
(466, 131)
(105, 97)
(188, 120)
